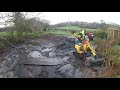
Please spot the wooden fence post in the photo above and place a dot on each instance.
(113, 40)
(118, 37)
(107, 34)
(110, 35)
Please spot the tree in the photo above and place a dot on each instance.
(45, 24)
(103, 24)
(36, 24)
(19, 23)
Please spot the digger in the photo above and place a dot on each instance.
(86, 51)
(85, 47)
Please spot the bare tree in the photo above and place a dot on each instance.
(45, 24)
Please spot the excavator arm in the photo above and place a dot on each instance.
(92, 49)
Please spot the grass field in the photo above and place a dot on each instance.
(3, 33)
(70, 27)
(75, 28)
(60, 31)
(117, 47)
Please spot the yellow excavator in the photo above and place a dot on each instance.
(83, 46)
(86, 52)
(85, 49)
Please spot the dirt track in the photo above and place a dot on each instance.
(45, 57)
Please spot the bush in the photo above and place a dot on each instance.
(111, 54)
(101, 34)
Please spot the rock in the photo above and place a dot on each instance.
(47, 50)
(35, 54)
(52, 54)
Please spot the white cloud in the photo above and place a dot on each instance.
(57, 17)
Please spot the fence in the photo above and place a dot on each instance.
(114, 36)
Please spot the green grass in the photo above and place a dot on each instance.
(61, 30)
(24, 33)
(4, 33)
(58, 32)
(117, 76)
(117, 47)
(70, 27)
(74, 28)
(91, 29)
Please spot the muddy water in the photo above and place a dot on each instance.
(46, 59)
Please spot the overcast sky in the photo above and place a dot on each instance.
(57, 17)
